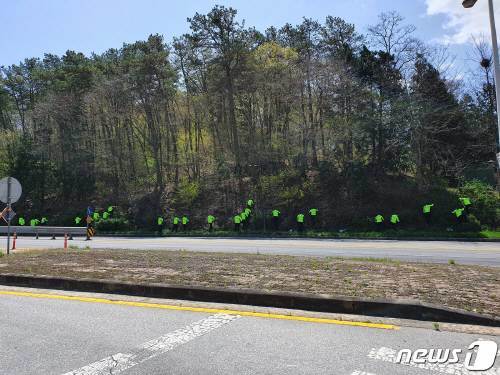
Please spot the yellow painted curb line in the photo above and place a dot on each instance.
(201, 309)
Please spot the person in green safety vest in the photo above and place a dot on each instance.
(275, 214)
(394, 220)
(21, 221)
(78, 219)
(250, 203)
(300, 222)
(44, 220)
(313, 212)
(175, 224)
(96, 216)
(427, 212)
(159, 223)
(110, 209)
(210, 221)
(34, 222)
(243, 217)
(459, 215)
(466, 202)
(237, 222)
(185, 222)
(105, 215)
(379, 222)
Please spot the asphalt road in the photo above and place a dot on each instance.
(53, 336)
(480, 253)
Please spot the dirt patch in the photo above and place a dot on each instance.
(473, 288)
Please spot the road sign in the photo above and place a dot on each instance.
(7, 214)
(15, 190)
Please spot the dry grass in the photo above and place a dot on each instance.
(473, 288)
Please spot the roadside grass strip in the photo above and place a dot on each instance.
(390, 355)
(202, 310)
(122, 361)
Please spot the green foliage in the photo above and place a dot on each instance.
(187, 192)
(485, 202)
(118, 224)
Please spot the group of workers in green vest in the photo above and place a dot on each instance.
(33, 222)
(459, 214)
(241, 220)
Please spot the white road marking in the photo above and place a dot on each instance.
(153, 348)
(389, 355)
(358, 372)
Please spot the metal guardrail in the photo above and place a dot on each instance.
(39, 231)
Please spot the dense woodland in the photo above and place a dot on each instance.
(316, 114)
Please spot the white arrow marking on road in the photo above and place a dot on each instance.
(153, 348)
(389, 355)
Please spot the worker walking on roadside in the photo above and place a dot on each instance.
(210, 221)
(394, 221)
(379, 222)
(313, 212)
(175, 224)
(300, 222)
(159, 223)
(275, 214)
(185, 222)
(237, 222)
(427, 212)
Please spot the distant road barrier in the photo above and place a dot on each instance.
(47, 231)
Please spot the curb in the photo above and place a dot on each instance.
(401, 309)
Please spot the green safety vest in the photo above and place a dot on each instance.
(250, 202)
(210, 219)
(276, 213)
(185, 220)
(465, 201)
(237, 219)
(243, 216)
(110, 209)
(77, 220)
(21, 221)
(313, 211)
(458, 212)
(96, 216)
(44, 220)
(427, 208)
(105, 215)
(379, 218)
(248, 211)
(394, 219)
(33, 222)
(176, 220)
(300, 218)
(159, 221)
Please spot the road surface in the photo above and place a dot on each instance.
(43, 334)
(480, 253)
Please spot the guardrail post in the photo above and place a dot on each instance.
(53, 237)
(37, 235)
(14, 241)
(71, 236)
(65, 241)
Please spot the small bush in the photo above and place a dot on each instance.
(485, 202)
(113, 225)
